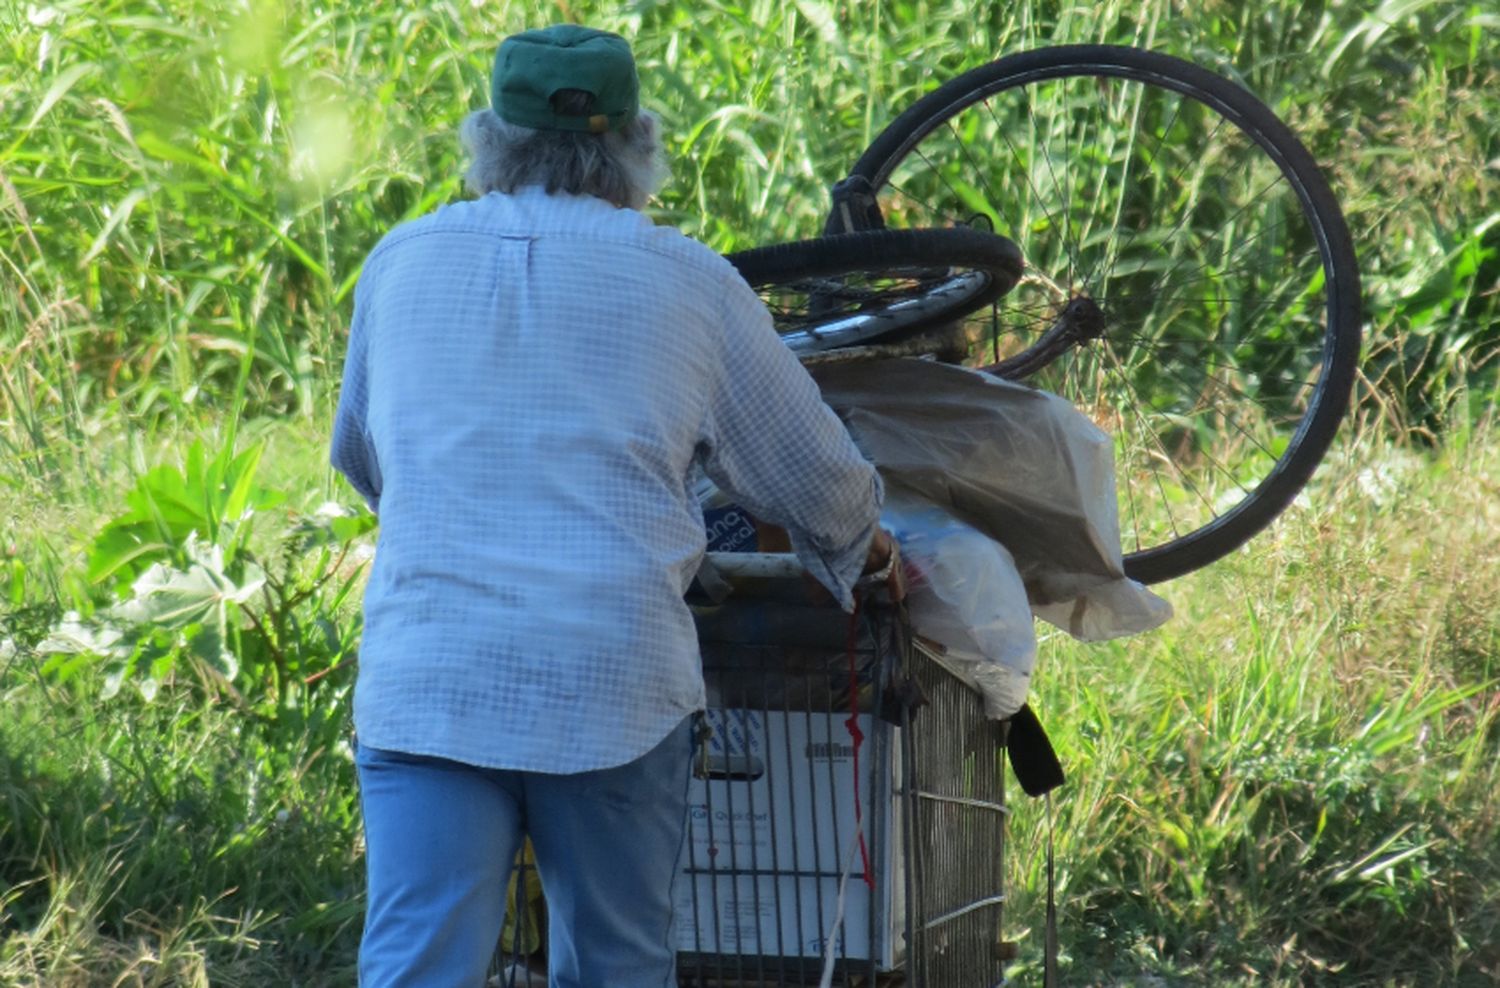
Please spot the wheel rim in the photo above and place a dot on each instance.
(846, 291)
(1219, 348)
(826, 313)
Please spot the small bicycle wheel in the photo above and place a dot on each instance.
(1190, 284)
(881, 285)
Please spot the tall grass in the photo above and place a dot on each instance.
(168, 844)
(1296, 781)
(186, 183)
(1292, 783)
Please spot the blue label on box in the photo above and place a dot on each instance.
(730, 529)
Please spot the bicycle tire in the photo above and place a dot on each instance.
(877, 286)
(1223, 389)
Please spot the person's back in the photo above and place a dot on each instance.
(532, 377)
(542, 371)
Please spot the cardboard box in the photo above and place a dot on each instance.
(771, 828)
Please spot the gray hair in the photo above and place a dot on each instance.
(624, 167)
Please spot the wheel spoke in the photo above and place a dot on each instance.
(1177, 204)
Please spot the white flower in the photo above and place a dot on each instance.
(332, 509)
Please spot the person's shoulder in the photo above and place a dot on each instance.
(583, 220)
(671, 242)
(447, 217)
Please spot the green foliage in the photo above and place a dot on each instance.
(1299, 789)
(190, 188)
(182, 584)
(172, 613)
(212, 498)
(172, 843)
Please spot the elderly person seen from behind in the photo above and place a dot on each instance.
(531, 380)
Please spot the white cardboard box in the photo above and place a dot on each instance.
(772, 827)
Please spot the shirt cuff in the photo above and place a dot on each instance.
(837, 569)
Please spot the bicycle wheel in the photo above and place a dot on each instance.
(882, 285)
(1190, 282)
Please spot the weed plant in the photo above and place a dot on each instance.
(1295, 779)
(1291, 783)
(188, 186)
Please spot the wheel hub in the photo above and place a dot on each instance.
(1081, 320)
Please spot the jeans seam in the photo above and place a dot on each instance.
(687, 780)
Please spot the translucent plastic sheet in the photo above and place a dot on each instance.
(1022, 466)
(1003, 500)
(966, 600)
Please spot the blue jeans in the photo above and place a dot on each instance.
(441, 837)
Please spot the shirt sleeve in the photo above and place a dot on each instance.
(783, 454)
(352, 453)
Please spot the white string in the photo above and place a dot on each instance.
(830, 943)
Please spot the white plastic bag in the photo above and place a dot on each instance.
(965, 597)
(1110, 610)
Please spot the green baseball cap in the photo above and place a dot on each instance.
(530, 67)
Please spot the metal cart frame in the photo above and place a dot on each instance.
(930, 793)
(813, 713)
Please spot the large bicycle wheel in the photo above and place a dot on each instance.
(1190, 280)
(878, 286)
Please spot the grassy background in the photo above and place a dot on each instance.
(1292, 783)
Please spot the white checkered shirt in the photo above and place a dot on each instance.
(529, 384)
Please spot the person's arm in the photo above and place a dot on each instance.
(351, 452)
(773, 445)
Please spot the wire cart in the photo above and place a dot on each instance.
(848, 787)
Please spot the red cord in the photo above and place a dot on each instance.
(858, 737)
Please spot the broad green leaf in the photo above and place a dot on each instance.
(240, 479)
(177, 598)
(74, 636)
(211, 499)
(113, 680)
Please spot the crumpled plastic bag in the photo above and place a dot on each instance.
(1110, 610)
(965, 598)
(1022, 466)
